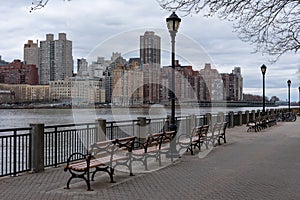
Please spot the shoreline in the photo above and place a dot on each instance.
(142, 106)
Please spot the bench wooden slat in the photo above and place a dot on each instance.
(101, 156)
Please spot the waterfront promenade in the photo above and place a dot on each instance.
(252, 165)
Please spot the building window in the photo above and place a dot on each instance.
(2, 79)
(22, 79)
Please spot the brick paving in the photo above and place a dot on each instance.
(263, 165)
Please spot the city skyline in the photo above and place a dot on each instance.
(90, 29)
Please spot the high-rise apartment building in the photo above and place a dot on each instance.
(56, 60)
(31, 53)
(150, 48)
(150, 55)
(97, 68)
(233, 85)
(187, 83)
(127, 81)
(213, 82)
(82, 67)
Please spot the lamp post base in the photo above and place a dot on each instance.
(173, 153)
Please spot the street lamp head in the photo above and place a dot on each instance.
(299, 89)
(173, 22)
(289, 83)
(263, 69)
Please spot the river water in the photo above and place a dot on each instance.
(16, 118)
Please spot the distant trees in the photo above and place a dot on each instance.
(274, 99)
(252, 97)
(273, 26)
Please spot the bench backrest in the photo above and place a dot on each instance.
(112, 147)
(102, 149)
(153, 140)
(204, 130)
(197, 130)
(168, 137)
(220, 128)
(126, 143)
(200, 131)
(217, 128)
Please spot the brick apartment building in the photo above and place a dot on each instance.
(17, 72)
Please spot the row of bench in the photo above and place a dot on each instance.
(202, 136)
(261, 122)
(107, 155)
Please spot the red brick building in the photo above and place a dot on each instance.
(19, 73)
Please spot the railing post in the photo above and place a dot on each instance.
(192, 123)
(220, 118)
(240, 118)
(37, 147)
(253, 115)
(231, 117)
(208, 120)
(258, 113)
(100, 130)
(247, 116)
(142, 123)
(15, 154)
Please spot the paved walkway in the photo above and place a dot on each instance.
(263, 165)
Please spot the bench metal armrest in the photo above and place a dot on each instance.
(77, 156)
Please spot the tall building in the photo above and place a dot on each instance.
(127, 81)
(116, 60)
(233, 85)
(150, 48)
(82, 67)
(97, 68)
(31, 53)
(150, 55)
(56, 60)
(213, 83)
(187, 83)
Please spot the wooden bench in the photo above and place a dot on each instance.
(271, 120)
(254, 125)
(194, 140)
(153, 146)
(218, 132)
(102, 156)
(261, 122)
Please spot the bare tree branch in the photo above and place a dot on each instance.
(39, 4)
(271, 25)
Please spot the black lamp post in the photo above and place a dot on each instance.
(173, 23)
(299, 102)
(289, 94)
(263, 69)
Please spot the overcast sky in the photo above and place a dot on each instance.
(98, 28)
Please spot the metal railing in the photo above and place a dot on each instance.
(60, 141)
(15, 151)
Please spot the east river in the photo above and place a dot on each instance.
(17, 118)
